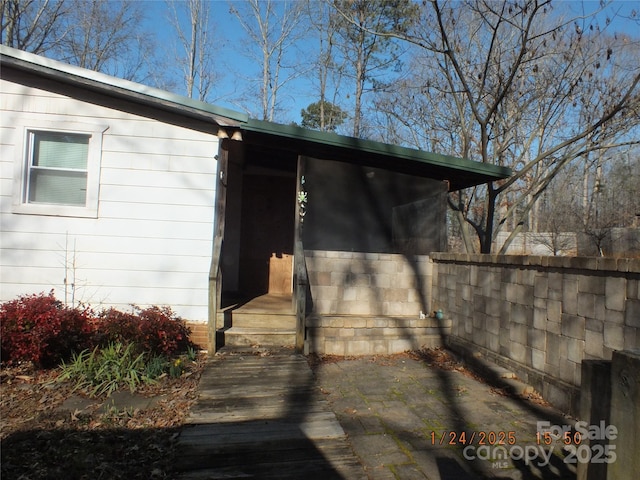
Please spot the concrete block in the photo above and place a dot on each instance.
(401, 345)
(493, 307)
(324, 292)
(568, 371)
(594, 325)
(600, 310)
(525, 294)
(511, 292)
(518, 352)
(586, 305)
(537, 338)
(395, 295)
(537, 359)
(632, 313)
(614, 317)
(613, 336)
(509, 275)
(555, 286)
(346, 332)
(615, 293)
(379, 347)
(392, 308)
(492, 324)
(357, 347)
(553, 327)
(591, 284)
(367, 294)
(539, 318)
(631, 338)
(540, 287)
(381, 280)
(625, 414)
(465, 293)
(493, 342)
(573, 326)
(554, 310)
(335, 347)
(570, 295)
(337, 322)
(593, 343)
(575, 350)
(527, 276)
(377, 322)
(522, 314)
(349, 293)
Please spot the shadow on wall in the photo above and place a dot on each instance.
(356, 209)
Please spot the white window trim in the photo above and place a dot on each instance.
(22, 164)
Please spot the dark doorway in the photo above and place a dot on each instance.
(267, 225)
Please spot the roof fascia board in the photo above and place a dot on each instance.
(495, 172)
(116, 86)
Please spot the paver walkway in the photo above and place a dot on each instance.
(404, 419)
(271, 417)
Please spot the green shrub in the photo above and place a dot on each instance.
(103, 371)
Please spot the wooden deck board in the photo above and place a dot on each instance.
(263, 417)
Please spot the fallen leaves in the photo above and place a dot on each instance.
(41, 440)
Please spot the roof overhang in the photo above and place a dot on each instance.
(118, 88)
(458, 172)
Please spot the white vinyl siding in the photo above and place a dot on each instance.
(150, 239)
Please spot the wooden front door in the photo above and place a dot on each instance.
(266, 250)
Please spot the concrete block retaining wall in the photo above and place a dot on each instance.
(369, 303)
(541, 314)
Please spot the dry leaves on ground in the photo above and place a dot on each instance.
(42, 441)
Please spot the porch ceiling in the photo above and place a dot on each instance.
(459, 172)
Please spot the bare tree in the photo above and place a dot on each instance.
(516, 84)
(106, 37)
(197, 42)
(32, 25)
(272, 29)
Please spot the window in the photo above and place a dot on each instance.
(58, 171)
(57, 168)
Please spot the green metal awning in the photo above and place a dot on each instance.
(459, 172)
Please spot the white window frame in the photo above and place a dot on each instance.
(23, 165)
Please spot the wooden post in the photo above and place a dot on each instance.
(215, 273)
(300, 283)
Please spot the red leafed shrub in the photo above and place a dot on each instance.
(41, 329)
(115, 326)
(156, 330)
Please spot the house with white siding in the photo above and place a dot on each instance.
(113, 193)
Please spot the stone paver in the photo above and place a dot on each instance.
(404, 419)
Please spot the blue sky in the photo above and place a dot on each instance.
(232, 64)
(299, 94)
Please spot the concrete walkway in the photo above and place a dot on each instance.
(270, 417)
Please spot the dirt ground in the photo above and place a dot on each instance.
(47, 431)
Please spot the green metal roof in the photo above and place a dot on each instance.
(459, 172)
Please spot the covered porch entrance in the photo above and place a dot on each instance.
(257, 203)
